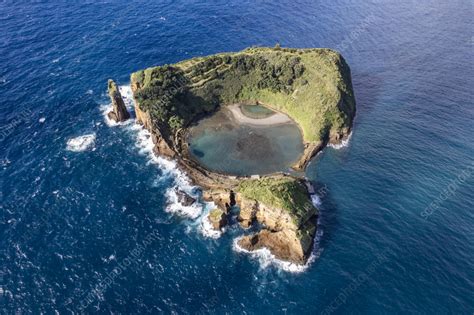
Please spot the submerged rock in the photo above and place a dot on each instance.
(119, 112)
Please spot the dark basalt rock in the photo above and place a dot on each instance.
(119, 112)
(185, 199)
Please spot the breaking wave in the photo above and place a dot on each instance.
(81, 143)
(205, 226)
(199, 210)
(344, 143)
(170, 170)
(127, 96)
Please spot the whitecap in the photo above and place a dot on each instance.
(81, 143)
(42, 119)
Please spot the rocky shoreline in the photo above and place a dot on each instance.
(280, 203)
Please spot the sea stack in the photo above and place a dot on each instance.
(119, 112)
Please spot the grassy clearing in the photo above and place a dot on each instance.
(215, 215)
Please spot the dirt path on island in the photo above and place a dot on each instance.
(275, 119)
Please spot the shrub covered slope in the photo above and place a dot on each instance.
(312, 86)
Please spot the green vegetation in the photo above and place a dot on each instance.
(215, 215)
(285, 193)
(312, 86)
(112, 87)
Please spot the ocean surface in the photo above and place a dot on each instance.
(90, 222)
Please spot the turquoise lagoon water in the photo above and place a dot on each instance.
(225, 146)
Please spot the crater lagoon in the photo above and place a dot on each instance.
(246, 140)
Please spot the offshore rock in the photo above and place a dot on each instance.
(119, 112)
(185, 199)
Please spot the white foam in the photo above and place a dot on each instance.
(344, 143)
(316, 200)
(174, 206)
(127, 96)
(170, 170)
(42, 119)
(266, 259)
(81, 143)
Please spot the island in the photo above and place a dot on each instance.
(310, 87)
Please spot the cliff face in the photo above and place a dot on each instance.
(280, 232)
(281, 207)
(287, 220)
(162, 146)
(280, 235)
(119, 111)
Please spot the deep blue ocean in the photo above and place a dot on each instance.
(397, 222)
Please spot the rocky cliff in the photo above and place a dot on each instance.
(282, 207)
(119, 110)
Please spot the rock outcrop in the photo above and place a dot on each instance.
(224, 199)
(119, 111)
(288, 234)
(185, 199)
(217, 218)
(287, 220)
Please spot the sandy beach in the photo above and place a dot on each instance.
(276, 119)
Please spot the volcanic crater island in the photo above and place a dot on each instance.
(243, 126)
